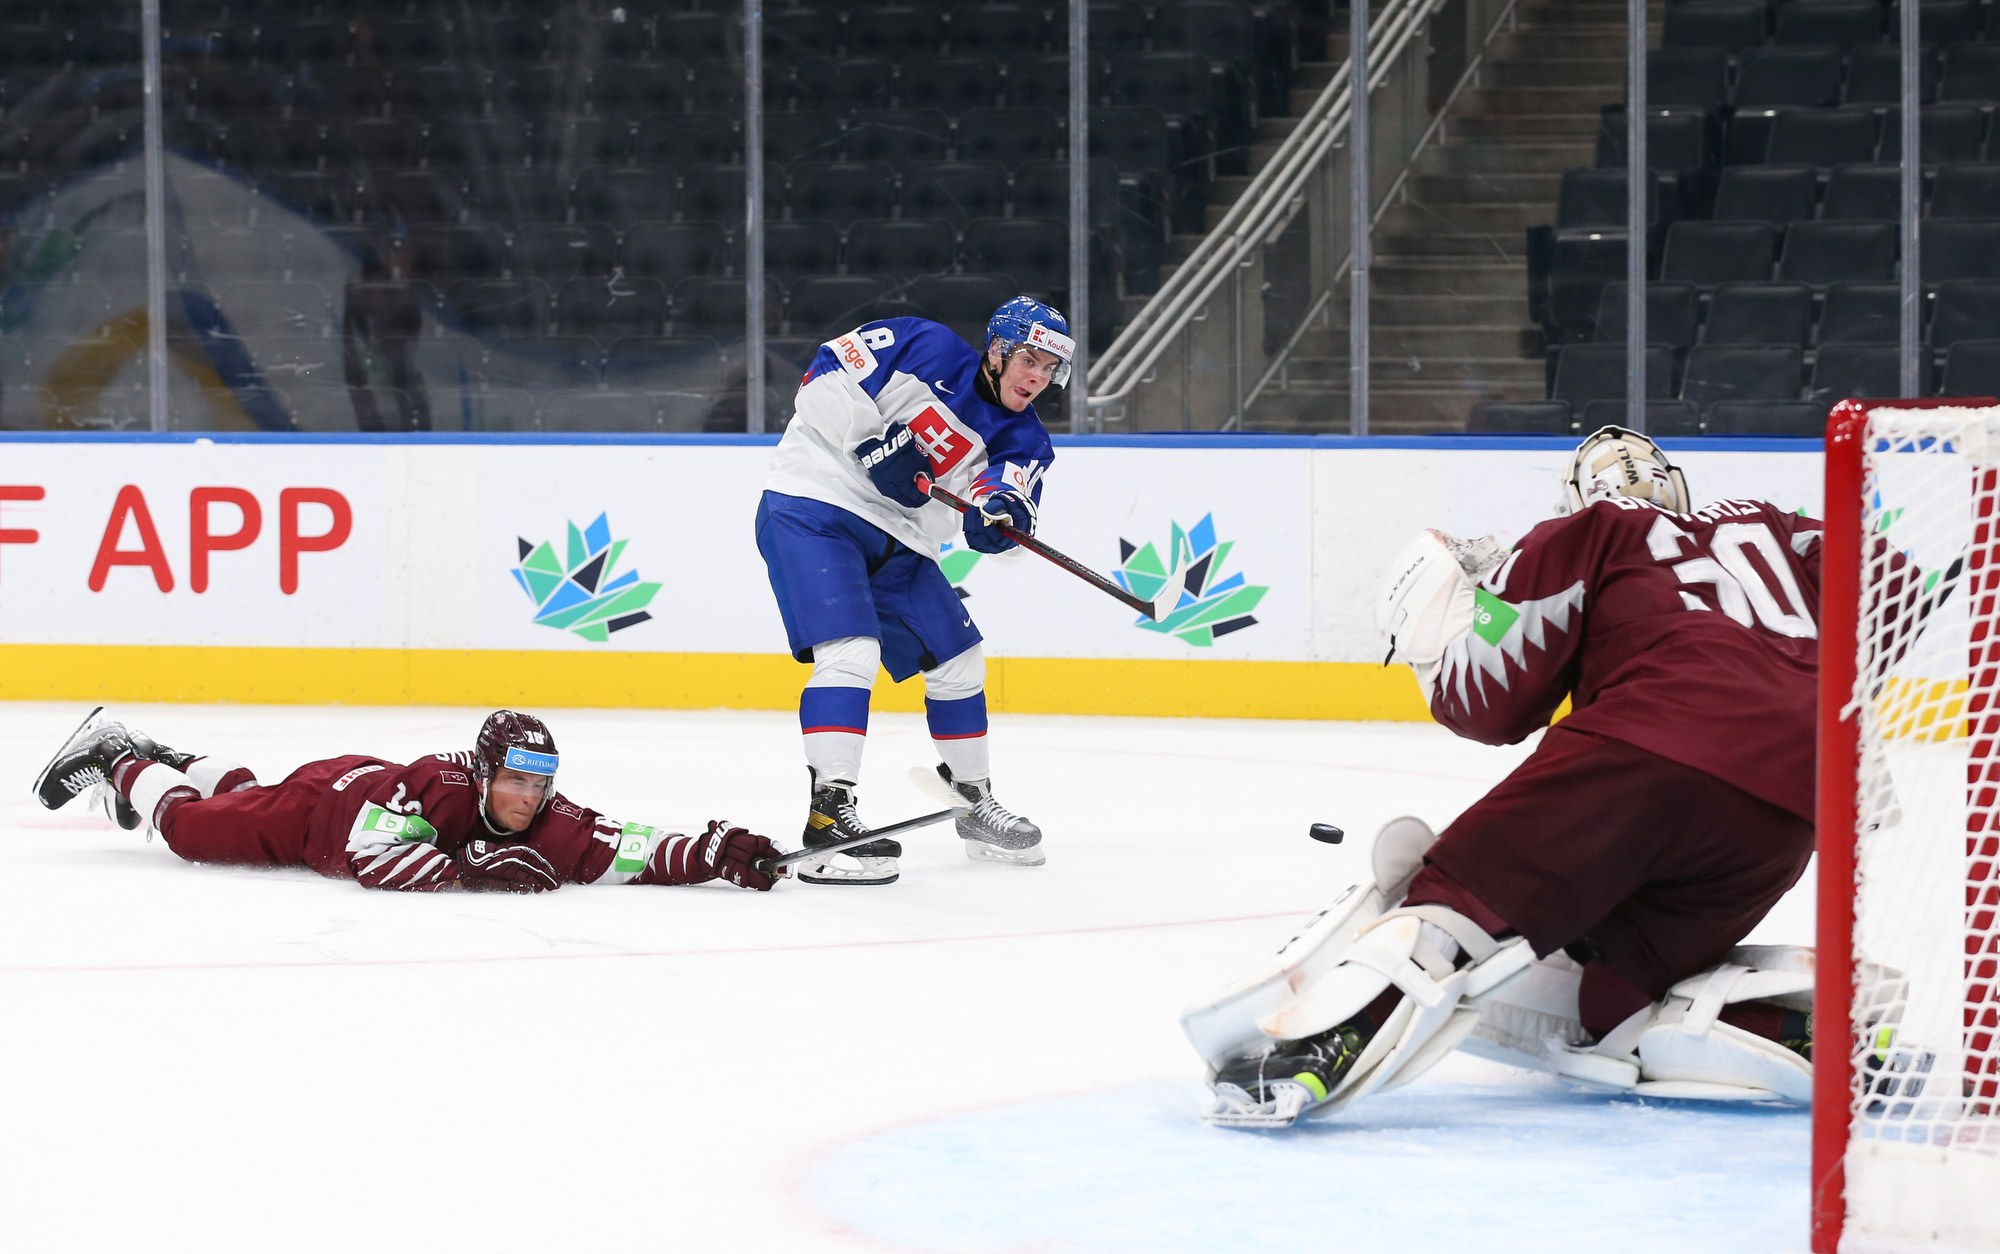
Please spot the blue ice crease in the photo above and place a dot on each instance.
(1525, 1166)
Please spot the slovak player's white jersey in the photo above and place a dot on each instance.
(920, 373)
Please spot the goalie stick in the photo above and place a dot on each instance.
(771, 865)
(1155, 609)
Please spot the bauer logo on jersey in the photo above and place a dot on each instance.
(941, 442)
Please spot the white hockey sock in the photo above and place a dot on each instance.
(206, 774)
(955, 707)
(833, 709)
(967, 759)
(150, 786)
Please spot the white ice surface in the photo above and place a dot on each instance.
(979, 1058)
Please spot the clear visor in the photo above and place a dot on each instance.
(508, 782)
(1039, 362)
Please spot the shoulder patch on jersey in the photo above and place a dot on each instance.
(854, 354)
(455, 777)
(340, 785)
(563, 806)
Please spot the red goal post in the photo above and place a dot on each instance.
(1906, 1084)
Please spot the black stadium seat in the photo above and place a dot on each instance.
(1593, 372)
(674, 250)
(620, 196)
(500, 306)
(808, 135)
(1950, 132)
(1677, 140)
(1760, 313)
(1035, 251)
(905, 33)
(1961, 248)
(611, 309)
(1720, 24)
(1765, 193)
(1833, 252)
(1521, 417)
(1972, 368)
(955, 190)
(1783, 418)
(1940, 23)
(826, 305)
(1972, 72)
(633, 90)
(717, 307)
(952, 84)
(1009, 136)
(1718, 252)
(715, 193)
(681, 140)
(1595, 197)
(904, 248)
(998, 29)
(1040, 82)
(559, 252)
(1789, 76)
(1821, 137)
(1864, 191)
(1875, 75)
(1695, 77)
(798, 248)
(1845, 370)
(1671, 309)
(898, 136)
(1663, 418)
(1841, 23)
(1583, 262)
(964, 302)
(1968, 309)
(1966, 190)
(844, 85)
(1741, 372)
(662, 364)
(842, 192)
(1861, 313)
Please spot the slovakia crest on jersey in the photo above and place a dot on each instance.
(944, 445)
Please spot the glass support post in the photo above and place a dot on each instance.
(1360, 223)
(156, 221)
(1910, 330)
(1637, 177)
(1079, 214)
(753, 215)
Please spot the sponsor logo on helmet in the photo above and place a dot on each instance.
(519, 759)
(1044, 337)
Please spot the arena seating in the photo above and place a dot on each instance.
(555, 187)
(1773, 133)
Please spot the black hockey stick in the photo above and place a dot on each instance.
(1151, 609)
(770, 865)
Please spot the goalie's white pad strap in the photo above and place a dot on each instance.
(1427, 602)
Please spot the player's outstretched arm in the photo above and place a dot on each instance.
(589, 848)
(397, 852)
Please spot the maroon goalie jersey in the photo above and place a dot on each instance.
(1691, 636)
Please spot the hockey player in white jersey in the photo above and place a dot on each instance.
(852, 539)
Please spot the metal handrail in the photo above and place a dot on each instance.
(1262, 210)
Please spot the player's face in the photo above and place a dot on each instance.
(514, 797)
(1023, 376)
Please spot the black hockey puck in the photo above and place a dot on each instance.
(1325, 833)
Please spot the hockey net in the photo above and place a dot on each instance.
(1907, 1091)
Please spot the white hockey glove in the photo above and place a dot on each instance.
(1427, 601)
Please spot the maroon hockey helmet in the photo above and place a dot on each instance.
(514, 741)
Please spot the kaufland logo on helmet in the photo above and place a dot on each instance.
(1041, 336)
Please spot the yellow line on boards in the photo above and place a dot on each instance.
(686, 681)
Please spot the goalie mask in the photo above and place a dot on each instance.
(510, 740)
(1617, 462)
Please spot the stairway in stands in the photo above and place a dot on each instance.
(1449, 312)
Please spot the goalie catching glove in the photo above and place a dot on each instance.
(1429, 599)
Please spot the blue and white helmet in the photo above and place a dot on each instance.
(1025, 322)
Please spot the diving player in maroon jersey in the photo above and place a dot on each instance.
(487, 818)
(1650, 830)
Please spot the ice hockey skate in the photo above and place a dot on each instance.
(833, 819)
(83, 765)
(992, 832)
(1272, 1090)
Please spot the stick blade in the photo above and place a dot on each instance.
(931, 784)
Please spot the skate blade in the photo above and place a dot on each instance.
(864, 871)
(1235, 1109)
(88, 725)
(980, 851)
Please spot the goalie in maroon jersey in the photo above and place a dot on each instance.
(1648, 833)
(484, 818)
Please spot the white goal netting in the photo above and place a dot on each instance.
(1923, 1157)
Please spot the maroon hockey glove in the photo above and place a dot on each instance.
(485, 866)
(732, 853)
